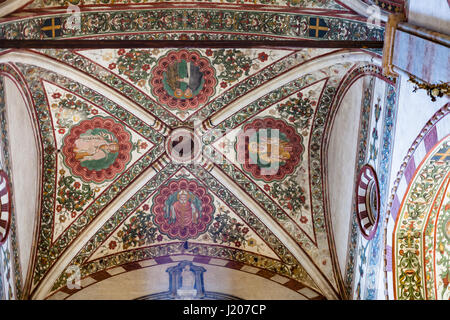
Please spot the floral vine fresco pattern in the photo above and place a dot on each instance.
(131, 228)
(421, 238)
(331, 4)
(217, 78)
(148, 71)
(208, 23)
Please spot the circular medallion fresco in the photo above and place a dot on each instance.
(183, 209)
(183, 80)
(97, 149)
(269, 149)
(5, 205)
(183, 146)
(368, 201)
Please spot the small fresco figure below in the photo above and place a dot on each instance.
(187, 279)
(183, 79)
(96, 149)
(183, 209)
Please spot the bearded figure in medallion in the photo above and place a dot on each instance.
(183, 209)
(183, 212)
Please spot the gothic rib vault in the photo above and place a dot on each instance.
(109, 193)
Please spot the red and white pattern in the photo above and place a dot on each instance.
(368, 203)
(65, 292)
(5, 203)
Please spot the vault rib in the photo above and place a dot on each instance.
(313, 65)
(323, 284)
(45, 285)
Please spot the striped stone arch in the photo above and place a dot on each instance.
(5, 204)
(367, 201)
(421, 153)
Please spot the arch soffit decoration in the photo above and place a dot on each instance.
(96, 278)
(432, 135)
(10, 72)
(372, 68)
(332, 24)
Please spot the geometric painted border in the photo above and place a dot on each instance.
(434, 131)
(64, 292)
(367, 227)
(5, 202)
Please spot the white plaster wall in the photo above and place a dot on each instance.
(24, 162)
(342, 151)
(138, 283)
(431, 14)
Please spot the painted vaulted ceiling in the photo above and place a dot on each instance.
(112, 193)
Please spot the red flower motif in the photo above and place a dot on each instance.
(209, 52)
(223, 84)
(145, 67)
(245, 230)
(291, 119)
(77, 185)
(266, 187)
(112, 65)
(73, 214)
(58, 208)
(159, 238)
(222, 145)
(216, 225)
(263, 56)
(121, 52)
(94, 111)
(246, 67)
(144, 145)
(303, 219)
(446, 281)
(237, 244)
(112, 245)
(56, 95)
(146, 207)
(289, 206)
(61, 131)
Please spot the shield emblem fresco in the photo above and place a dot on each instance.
(183, 80)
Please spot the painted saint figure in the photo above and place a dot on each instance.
(265, 151)
(96, 149)
(187, 279)
(185, 211)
